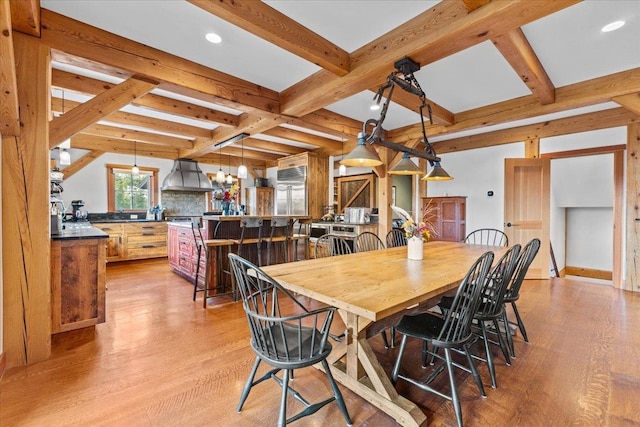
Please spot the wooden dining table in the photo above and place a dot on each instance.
(371, 291)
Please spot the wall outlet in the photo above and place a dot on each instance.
(133, 216)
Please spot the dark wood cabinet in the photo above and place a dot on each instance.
(259, 201)
(448, 215)
(78, 283)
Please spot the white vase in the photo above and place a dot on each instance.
(414, 248)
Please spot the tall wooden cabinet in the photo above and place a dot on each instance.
(448, 215)
(259, 201)
(317, 180)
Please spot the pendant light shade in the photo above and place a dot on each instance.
(405, 167)
(361, 156)
(242, 172)
(65, 157)
(220, 178)
(342, 170)
(242, 169)
(437, 174)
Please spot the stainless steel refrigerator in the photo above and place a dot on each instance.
(291, 191)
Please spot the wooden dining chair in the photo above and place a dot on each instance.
(367, 241)
(285, 339)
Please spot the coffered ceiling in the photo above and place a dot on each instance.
(301, 75)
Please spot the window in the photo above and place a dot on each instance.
(127, 192)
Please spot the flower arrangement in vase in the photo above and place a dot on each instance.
(416, 232)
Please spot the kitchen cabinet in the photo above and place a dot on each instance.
(317, 180)
(78, 283)
(114, 241)
(183, 252)
(448, 216)
(259, 201)
(135, 240)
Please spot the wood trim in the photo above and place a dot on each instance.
(607, 149)
(587, 272)
(154, 190)
(618, 218)
(632, 282)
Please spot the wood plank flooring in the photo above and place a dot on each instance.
(162, 360)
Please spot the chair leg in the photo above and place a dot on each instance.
(282, 418)
(474, 370)
(384, 338)
(248, 384)
(520, 322)
(425, 349)
(396, 366)
(337, 393)
(454, 390)
(507, 332)
(489, 355)
(503, 345)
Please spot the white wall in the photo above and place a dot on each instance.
(475, 172)
(590, 238)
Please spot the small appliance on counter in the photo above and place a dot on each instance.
(78, 214)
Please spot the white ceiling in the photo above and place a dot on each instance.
(569, 44)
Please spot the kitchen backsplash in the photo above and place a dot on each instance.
(184, 203)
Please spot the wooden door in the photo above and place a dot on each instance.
(526, 208)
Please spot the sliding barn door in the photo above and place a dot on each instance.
(526, 208)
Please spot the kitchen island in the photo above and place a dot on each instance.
(78, 277)
(183, 248)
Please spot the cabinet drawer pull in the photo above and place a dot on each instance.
(147, 227)
(147, 234)
(148, 246)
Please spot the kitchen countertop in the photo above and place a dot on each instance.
(79, 232)
(240, 217)
(101, 221)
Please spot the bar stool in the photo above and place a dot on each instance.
(281, 237)
(250, 224)
(300, 236)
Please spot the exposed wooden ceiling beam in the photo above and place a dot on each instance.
(25, 16)
(583, 94)
(214, 159)
(262, 20)
(79, 39)
(83, 161)
(87, 85)
(9, 111)
(630, 101)
(440, 115)
(97, 108)
(307, 138)
(515, 48)
(248, 154)
(137, 135)
(272, 146)
(145, 122)
(111, 145)
(441, 31)
(474, 4)
(582, 123)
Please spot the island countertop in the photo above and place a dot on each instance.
(88, 232)
(240, 217)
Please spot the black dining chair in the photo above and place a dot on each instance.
(396, 237)
(284, 334)
(487, 236)
(491, 307)
(450, 331)
(331, 245)
(526, 257)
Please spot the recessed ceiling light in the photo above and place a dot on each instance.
(612, 26)
(213, 38)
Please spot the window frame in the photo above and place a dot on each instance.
(111, 186)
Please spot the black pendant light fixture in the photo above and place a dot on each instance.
(362, 156)
(135, 170)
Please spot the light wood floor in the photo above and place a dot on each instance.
(162, 360)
